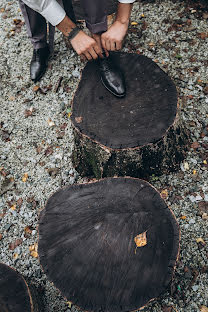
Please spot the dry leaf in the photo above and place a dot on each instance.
(13, 207)
(25, 177)
(34, 254)
(200, 240)
(51, 123)
(164, 194)
(69, 303)
(183, 217)
(203, 309)
(34, 250)
(1, 237)
(78, 119)
(15, 255)
(140, 240)
(134, 23)
(186, 166)
(36, 88)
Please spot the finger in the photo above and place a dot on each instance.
(108, 46)
(113, 45)
(106, 53)
(87, 55)
(83, 57)
(98, 50)
(118, 45)
(93, 53)
(103, 43)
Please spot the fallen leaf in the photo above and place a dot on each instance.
(28, 231)
(51, 123)
(200, 240)
(15, 255)
(140, 240)
(183, 217)
(195, 145)
(1, 237)
(78, 119)
(134, 23)
(69, 303)
(34, 254)
(36, 88)
(49, 151)
(16, 243)
(25, 177)
(13, 207)
(194, 171)
(186, 166)
(164, 194)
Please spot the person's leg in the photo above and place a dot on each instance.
(37, 31)
(36, 26)
(95, 15)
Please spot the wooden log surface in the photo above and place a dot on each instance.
(15, 294)
(90, 249)
(139, 135)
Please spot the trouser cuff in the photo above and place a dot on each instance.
(98, 27)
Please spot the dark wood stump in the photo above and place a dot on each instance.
(89, 244)
(15, 294)
(137, 136)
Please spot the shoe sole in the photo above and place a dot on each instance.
(119, 96)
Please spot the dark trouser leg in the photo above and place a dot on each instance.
(95, 15)
(36, 26)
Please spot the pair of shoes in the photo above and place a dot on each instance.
(39, 63)
(111, 76)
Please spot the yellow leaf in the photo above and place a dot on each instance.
(69, 115)
(205, 162)
(164, 194)
(34, 254)
(13, 207)
(142, 15)
(140, 240)
(134, 23)
(203, 309)
(183, 217)
(69, 303)
(200, 240)
(194, 171)
(25, 177)
(15, 255)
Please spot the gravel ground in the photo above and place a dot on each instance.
(36, 141)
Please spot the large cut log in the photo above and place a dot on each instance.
(15, 294)
(109, 245)
(139, 135)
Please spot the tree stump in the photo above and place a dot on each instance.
(15, 294)
(139, 135)
(109, 245)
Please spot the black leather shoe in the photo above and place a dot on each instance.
(39, 63)
(112, 77)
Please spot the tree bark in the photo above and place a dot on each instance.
(109, 245)
(140, 135)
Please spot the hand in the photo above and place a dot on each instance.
(85, 46)
(113, 37)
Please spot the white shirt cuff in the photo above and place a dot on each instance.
(54, 13)
(126, 1)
